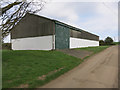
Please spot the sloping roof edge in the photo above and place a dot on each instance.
(61, 23)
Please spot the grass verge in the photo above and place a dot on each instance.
(33, 68)
(94, 50)
(29, 69)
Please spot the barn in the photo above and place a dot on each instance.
(35, 32)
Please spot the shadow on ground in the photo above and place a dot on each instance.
(76, 53)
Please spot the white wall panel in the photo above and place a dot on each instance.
(33, 43)
(77, 43)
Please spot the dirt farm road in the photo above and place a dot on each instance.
(99, 71)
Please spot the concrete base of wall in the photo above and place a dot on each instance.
(48, 43)
(77, 43)
(33, 43)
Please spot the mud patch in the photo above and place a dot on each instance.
(50, 73)
(23, 86)
(42, 77)
(9, 81)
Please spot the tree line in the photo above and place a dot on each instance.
(107, 41)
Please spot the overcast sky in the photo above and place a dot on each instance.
(100, 18)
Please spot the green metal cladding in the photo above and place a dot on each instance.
(62, 37)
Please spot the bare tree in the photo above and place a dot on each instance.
(12, 12)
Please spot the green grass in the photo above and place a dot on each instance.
(116, 43)
(25, 66)
(94, 49)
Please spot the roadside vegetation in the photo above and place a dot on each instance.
(6, 46)
(116, 43)
(33, 68)
(107, 42)
(29, 69)
(94, 49)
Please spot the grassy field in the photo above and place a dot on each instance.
(30, 69)
(116, 43)
(94, 49)
(34, 68)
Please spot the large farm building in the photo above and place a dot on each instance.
(35, 32)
